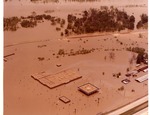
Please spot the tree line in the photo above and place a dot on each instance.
(105, 19)
(100, 20)
(13, 23)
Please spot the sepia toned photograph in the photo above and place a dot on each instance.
(75, 57)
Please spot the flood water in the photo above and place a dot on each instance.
(25, 7)
(25, 96)
(59, 8)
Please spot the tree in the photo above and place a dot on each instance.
(112, 55)
(140, 35)
(66, 32)
(144, 18)
(139, 25)
(61, 52)
(121, 88)
(132, 18)
(62, 34)
(85, 13)
(140, 58)
(143, 21)
(71, 18)
(69, 26)
(128, 69)
(27, 23)
(58, 29)
(131, 26)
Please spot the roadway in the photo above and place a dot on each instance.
(132, 108)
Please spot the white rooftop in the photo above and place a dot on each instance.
(143, 78)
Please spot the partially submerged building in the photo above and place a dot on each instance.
(64, 99)
(142, 79)
(88, 89)
(57, 79)
(143, 68)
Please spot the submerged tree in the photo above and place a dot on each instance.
(101, 20)
(143, 21)
(11, 23)
(112, 55)
(28, 23)
(140, 58)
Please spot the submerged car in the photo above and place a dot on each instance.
(125, 81)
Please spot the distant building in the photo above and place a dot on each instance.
(137, 65)
(143, 68)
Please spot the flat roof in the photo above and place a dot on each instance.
(143, 78)
(58, 79)
(64, 99)
(88, 88)
(143, 68)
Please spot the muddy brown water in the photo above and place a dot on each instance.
(24, 96)
(61, 9)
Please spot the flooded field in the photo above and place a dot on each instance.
(59, 9)
(98, 57)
